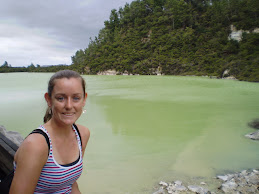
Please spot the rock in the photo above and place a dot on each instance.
(180, 188)
(254, 136)
(247, 189)
(160, 191)
(108, 72)
(236, 34)
(246, 181)
(2, 130)
(14, 136)
(252, 179)
(170, 188)
(224, 178)
(241, 181)
(9, 142)
(250, 190)
(244, 172)
(164, 184)
(229, 186)
(225, 73)
(178, 183)
(254, 123)
(197, 189)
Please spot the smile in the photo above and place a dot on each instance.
(68, 114)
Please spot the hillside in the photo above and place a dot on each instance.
(176, 37)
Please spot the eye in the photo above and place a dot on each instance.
(76, 98)
(60, 99)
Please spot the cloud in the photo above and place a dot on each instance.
(50, 31)
(25, 46)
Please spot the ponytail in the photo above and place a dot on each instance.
(48, 115)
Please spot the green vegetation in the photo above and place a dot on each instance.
(173, 37)
(6, 68)
(177, 37)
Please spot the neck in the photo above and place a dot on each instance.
(57, 128)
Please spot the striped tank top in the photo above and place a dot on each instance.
(56, 178)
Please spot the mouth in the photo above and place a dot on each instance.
(68, 114)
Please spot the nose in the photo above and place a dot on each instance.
(68, 103)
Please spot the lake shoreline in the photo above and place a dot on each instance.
(245, 181)
(225, 74)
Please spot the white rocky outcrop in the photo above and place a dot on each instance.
(237, 34)
(108, 72)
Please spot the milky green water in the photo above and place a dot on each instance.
(148, 128)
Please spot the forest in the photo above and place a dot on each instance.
(7, 68)
(176, 37)
(173, 37)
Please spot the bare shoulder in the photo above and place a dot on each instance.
(35, 146)
(30, 159)
(84, 131)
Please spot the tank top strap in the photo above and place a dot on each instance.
(41, 127)
(78, 140)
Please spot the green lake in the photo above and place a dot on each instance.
(145, 129)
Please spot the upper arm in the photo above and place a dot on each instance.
(30, 159)
(85, 135)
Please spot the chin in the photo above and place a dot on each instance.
(70, 121)
(67, 121)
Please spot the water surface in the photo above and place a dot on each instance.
(148, 128)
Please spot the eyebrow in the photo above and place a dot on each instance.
(63, 94)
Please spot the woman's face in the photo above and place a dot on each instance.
(67, 100)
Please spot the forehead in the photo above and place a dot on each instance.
(65, 85)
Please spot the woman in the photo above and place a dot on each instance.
(50, 159)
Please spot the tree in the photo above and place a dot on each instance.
(5, 64)
(31, 67)
(180, 36)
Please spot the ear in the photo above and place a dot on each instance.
(85, 98)
(48, 99)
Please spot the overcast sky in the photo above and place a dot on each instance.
(49, 32)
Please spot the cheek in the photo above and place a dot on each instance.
(57, 105)
(80, 106)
